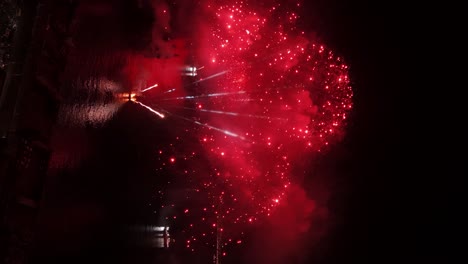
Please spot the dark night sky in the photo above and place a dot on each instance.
(367, 34)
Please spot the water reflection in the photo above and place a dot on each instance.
(89, 200)
(151, 236)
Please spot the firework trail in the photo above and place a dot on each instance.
(269, 96)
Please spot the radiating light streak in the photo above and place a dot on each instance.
(170, 91)
(227, 132)
(224, 131)
(235, 114)
(210, 77)
(149, 88)
(150, 109)
(227, 94)
(201, 96)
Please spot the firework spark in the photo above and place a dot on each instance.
(269, 95)
(150, 109)
(149, 88)
(211, 77)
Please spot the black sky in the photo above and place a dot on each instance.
(367, 34)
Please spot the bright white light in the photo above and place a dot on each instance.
(149, 88)
(151, 109)
(160, 228)
(190, 71)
